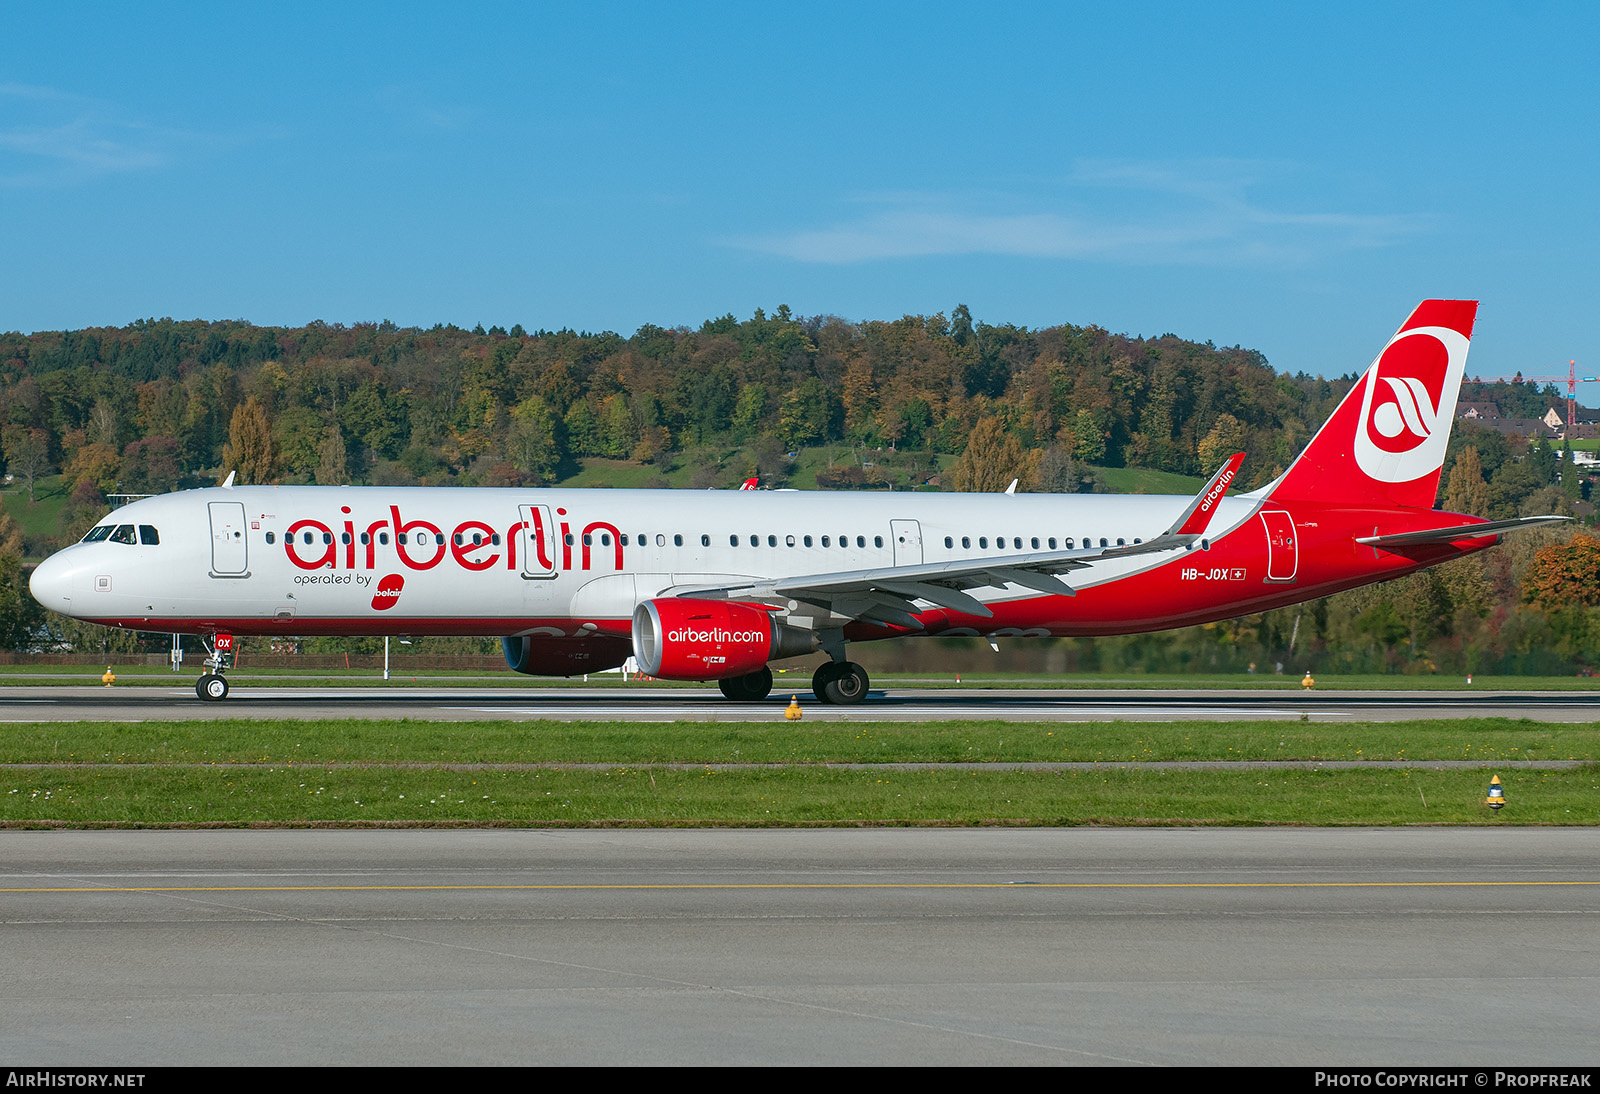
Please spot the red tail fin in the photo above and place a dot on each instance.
(1385, 443)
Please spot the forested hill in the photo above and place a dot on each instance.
(162, 404)
(149, 407)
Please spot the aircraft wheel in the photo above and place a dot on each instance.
(212, 687)
(749, 688)
(826, 672)
(849, 685)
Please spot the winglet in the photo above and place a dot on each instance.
(1197, 518)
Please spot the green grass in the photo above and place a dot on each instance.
(1140, 480)
(775, 741)
(42, 516)
(405, 772)
(785, 796)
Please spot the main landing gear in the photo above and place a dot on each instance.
(749, 688)
(844, 683)
(213, 686)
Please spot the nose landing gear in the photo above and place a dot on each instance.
(213, 686)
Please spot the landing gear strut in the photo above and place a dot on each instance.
(842, 682)
(213, 686)
(749, 688)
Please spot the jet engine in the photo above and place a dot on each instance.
(681, 639)
(541, 656)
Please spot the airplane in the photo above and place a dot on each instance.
(713, 585)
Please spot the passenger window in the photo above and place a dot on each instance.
(661, 540)
(983, 542)
(605, 539)
(1102, 541)
(327, 538)
(1016, 542)
(344, 538)
(1121, 542)
(755, 541)
(808, 541)
(677, 541)
(861, 541)
(568, 538)
(383, 538)
(1067, 543)
(1035, 543)
(622, 539)
(400, 538)
(1052, 543)
(457, 539)
(705, 541)
(365, 538)
(788, 541)
(588, 539)
(272, 537)
(877, 541)
(733, 541)
(827, 542)
(438, 539)
(949, 541)
(772, 541)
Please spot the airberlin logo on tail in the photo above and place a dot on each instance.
(388, 592)
(1411, 388)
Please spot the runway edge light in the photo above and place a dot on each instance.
(1497, 797)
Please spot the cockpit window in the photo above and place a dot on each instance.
(97, 534)
(124, 534)
(148, 535)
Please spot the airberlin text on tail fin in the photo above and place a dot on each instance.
(1385, 443)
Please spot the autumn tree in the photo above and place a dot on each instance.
(1465, 490)
(251, 451)
(1565, 575)
(27, 453)
(333, 465)
(992, 459)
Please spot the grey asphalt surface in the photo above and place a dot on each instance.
(643, 703)
(1471, 947)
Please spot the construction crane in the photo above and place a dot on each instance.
(1571, 380)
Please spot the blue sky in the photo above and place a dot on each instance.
(1291, 179)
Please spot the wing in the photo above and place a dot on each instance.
(887, 594)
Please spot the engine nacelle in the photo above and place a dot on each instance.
(542, 656)
(710, 639)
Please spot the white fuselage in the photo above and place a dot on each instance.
(373, 560)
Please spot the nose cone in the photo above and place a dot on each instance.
(51, 584)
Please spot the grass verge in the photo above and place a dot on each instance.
(785, 796)
(166, 773)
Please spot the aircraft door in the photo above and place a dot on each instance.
(229, 548)
(907, 538)
(536, 542)
(1283, 552)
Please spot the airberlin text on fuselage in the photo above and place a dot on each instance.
(422, 545)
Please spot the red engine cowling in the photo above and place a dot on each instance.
(701, 639)
(541, 656)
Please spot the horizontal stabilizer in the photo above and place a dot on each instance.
(1455, 532)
